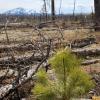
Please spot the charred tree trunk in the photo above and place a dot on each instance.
(97, 14)
(74, 9)
(53, 10)
(45, 8)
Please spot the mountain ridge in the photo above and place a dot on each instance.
(20, 11)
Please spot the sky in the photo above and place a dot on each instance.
(84, 6)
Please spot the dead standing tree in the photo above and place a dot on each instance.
(44, 9)
(97, 14)
(74, 9)
(53, 9)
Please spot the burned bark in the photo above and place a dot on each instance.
(87, 52)
(53, 9)
(12, 88)
(89, 62)
(79, 43)
(97, 14)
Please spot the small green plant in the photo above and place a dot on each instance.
(64, 62)
(43, 89)
(71, 81)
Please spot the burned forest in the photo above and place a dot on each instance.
(50, 55)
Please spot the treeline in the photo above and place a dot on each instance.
(38, 17)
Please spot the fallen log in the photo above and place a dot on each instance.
(79, 43)
(5, 90)
(89, 62)
(27, 47)
(31, 59)
(31, 73)
(23, 47)
(16, 25)
(14, 62)
(87, 52)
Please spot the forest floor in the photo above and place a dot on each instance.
(18, 37)
(25, 35)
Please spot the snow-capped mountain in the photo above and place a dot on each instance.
(30, 12)
(19, 11)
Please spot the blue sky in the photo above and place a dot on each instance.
(84, 6)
